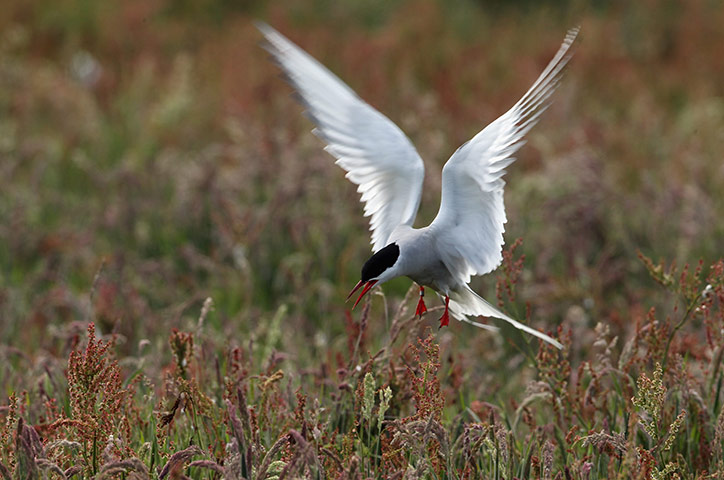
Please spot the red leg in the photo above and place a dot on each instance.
(421, 308)
(445, 319)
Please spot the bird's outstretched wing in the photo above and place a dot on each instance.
(470, 223)
(376, 154)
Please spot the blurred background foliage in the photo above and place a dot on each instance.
(150, 158)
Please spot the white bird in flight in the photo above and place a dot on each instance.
(466, 236)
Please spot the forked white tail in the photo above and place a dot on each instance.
(466, 303)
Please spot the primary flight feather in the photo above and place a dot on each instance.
(466, 236)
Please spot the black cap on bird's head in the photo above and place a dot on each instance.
(374, 267)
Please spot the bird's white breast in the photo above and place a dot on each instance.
(421, 261)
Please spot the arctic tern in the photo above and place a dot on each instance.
(466, 236)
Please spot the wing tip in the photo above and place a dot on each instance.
(573, 33)
(262, 26)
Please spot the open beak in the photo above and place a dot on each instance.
(367, 288)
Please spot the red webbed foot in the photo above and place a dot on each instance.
(421, 308)
(445, 319)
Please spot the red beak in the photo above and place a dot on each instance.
(367, 288)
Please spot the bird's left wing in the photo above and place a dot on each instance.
(376, 154)
(470, 223)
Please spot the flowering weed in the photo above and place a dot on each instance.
(149, 163)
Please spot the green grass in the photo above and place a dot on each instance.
(150, 159)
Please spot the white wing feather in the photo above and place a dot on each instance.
(470, 223)
(376, 154)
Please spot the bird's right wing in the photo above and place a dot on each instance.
(471, 219)
(376, 154)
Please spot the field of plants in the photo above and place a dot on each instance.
(176, 246)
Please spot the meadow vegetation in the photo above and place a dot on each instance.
(176, 247)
